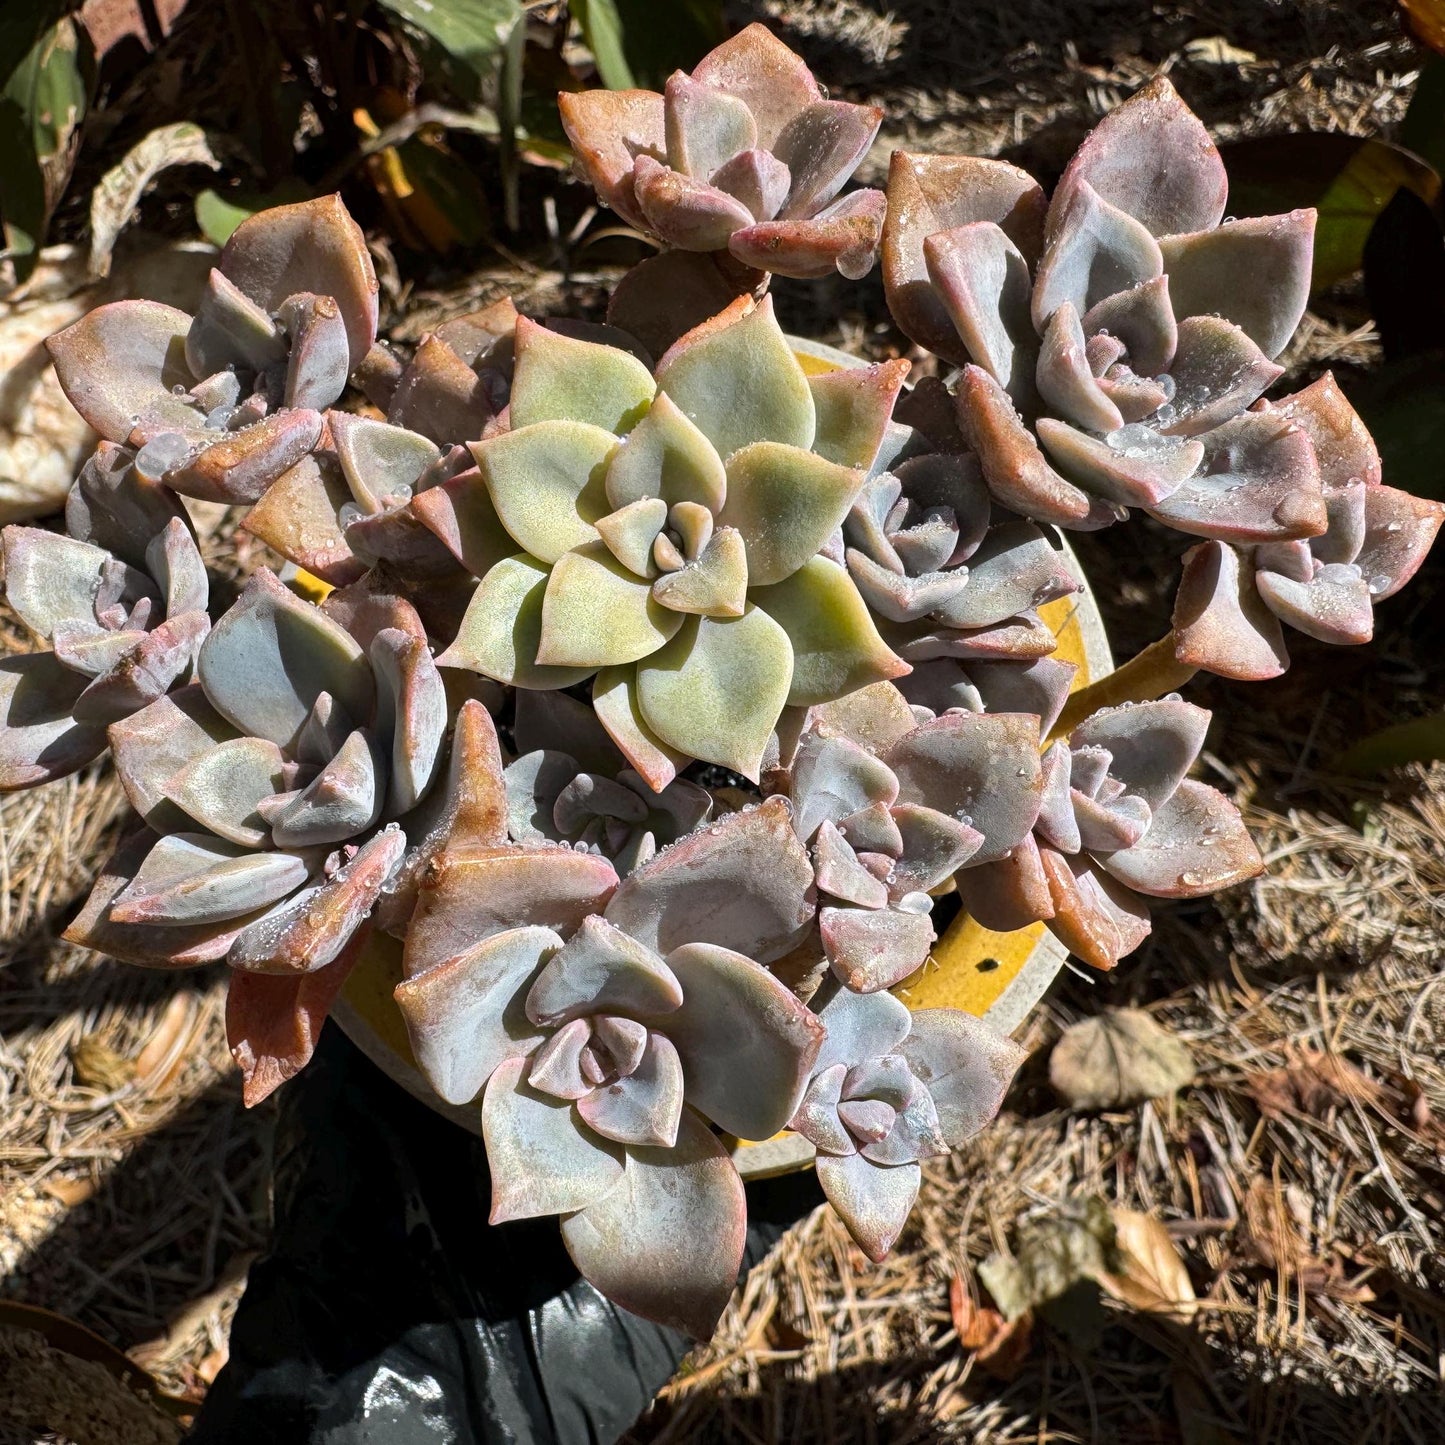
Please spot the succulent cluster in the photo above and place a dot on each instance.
(745, 155)
(1116, 341)
(646, 711)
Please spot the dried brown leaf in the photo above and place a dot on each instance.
(1314, 1084)
(1120, 1057)
(999, 1345)
(98, 1066)
(1153, 1279)
(1274, 1231)
(164, 1051)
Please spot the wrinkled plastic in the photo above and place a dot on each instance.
(388, 1311)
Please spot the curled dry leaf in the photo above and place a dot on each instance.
(1152, 1277)
(1121, 1057)
(1311, 1083)
(999, 1346)
(1051, 1256)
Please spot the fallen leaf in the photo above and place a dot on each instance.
(1120, 1057)
(1313, 1084)
(163, 1052)
(999, 1346)
(98, 1066)
(1153, 1278)
(115, 198)
(1051, 1255)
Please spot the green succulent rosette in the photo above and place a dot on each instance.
(662, 533)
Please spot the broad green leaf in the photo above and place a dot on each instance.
(1423, 129)
(602, 30)
(218, 214)
(464, 38)
(42, 105)
(1421, 740)
(640, 43)
(1400, 403)
(1348, 179)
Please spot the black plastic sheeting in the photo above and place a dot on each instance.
(389, 1311)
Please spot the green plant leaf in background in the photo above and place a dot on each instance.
(1421, 740)
(46, 87)
(1348, 179)
(1423, 129)
(218, 213)
(463, 38)
(641, 42)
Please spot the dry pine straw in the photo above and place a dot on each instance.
(133, 1185)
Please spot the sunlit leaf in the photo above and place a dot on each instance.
(463, 38)
(1348, 179)
(46, 87)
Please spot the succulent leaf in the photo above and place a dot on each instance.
(501, 633)
(741, 883)
(715, 690)
(562, 379)
(1093, 916)
(873, 1201)
(982, 279)
(786, 503)
(684, 1205)
(192, 878)
(853, 406)
(466, 1015)
(311, 246)
(1220, 620)
(603, 970)
(221, 788)
(547, 483)
(273, 1021)
(614, 697)
(543, 1159)
(643, 1108)
(470, 895)
(965, 1063)
(1152, 158)
(980, 769)
(309, 930)
(928, 194)
(1254, 272)
(666, 456)
(268, 659)
(1196, 844)
(737, 380)
(835, 644)
(40, 738)
(597, 613)
(121, 362)
(746, 1043)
